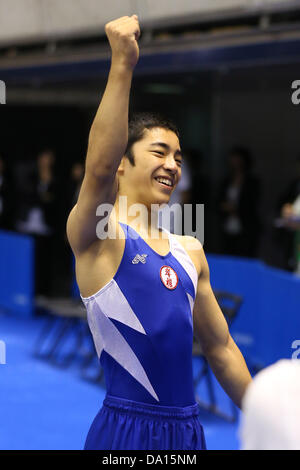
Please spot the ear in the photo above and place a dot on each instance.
(121, 166)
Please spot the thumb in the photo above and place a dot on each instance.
(137, 32)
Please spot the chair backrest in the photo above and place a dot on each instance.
(229, 304)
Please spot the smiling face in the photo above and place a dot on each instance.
(157, 168)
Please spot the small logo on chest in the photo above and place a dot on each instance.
(139, 258)
(168, 277)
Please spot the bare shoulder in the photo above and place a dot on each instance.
(195, 250)
(97, 265)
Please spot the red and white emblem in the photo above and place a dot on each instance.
(168, 277)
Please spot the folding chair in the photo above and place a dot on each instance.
(64, 317)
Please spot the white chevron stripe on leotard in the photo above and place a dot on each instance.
(113, 304)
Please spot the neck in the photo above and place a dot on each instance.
(139, 216)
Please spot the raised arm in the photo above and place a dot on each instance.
(108, 135)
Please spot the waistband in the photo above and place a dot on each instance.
(146, 409)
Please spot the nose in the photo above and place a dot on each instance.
(170, 164)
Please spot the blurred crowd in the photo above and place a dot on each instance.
(35, 200)
(234, 210)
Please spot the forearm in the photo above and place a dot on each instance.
(230, 369)
(109, 132)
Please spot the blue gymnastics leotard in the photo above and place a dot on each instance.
(142, 326)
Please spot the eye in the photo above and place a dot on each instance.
(156, 151)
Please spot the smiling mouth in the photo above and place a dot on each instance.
(164, 183)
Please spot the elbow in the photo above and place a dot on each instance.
(101, 166)
(217, 350)
(103, 163)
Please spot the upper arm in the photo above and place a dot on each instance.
(210, 325)
(82, 221)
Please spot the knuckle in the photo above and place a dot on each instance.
(108, 27)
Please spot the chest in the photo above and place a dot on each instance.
(160, 246)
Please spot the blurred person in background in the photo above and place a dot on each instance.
(271, 409)
(193, 188)
(201, 192)
(74, 184)
(180, 196)
(72, 193)
(38, 216)
(289, 227)
(200, 185)
(238, 205)
(6, 197)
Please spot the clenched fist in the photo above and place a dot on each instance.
(123, 34)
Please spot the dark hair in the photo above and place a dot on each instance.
(141, 121)
(245, 156)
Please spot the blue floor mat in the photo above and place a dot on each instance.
(43, 407)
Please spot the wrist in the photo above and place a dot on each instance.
(121, 65)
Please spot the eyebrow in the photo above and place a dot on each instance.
(166, 147)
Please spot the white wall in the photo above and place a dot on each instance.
(27, 20)
(40, 19)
